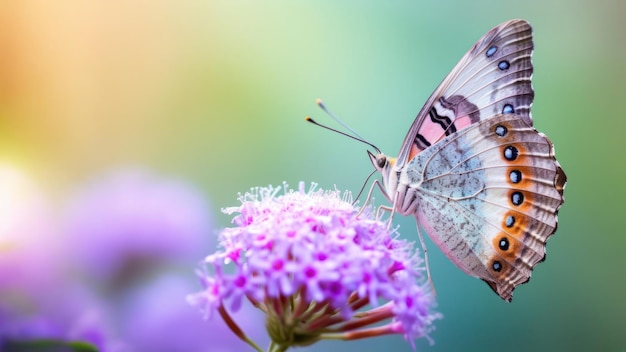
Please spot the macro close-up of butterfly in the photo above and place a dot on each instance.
(479, 179)
(160, 191)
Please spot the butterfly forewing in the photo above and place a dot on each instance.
(493, 77)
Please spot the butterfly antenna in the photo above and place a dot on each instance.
(323, 106)
(308, 119)
(354, 135)
(363, 187)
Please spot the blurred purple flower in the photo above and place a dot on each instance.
(70, 313)
(131, 221)
(128, 220)
(156, 318)
(311, 264)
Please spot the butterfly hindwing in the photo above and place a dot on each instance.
(488, 197)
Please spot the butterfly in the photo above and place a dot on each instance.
(479, 179)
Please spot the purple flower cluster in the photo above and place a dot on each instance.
(313, 264)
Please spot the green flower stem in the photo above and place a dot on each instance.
(236, 329)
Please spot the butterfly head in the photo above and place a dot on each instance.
(385, 165)
(380, 160)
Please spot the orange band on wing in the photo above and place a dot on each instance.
(414, 151)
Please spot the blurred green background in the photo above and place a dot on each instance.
(216, 92)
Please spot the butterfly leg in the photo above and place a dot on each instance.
(385, 208)
(376, 183)
(391, 210)
(409, 206)
(425, 250)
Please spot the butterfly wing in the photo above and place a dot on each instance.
(481, 181)
(493, 77)
(488, 197)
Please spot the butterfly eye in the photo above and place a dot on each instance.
(381, 161)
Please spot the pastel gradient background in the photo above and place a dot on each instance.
(215, 92)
